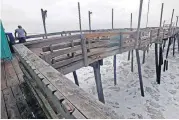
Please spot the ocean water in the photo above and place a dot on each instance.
(160, 101)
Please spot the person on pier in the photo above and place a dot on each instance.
(21, 34)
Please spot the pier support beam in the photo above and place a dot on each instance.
(166, 61)
(129, 54)
(156, 61)
(177, 36)
(75, 78)
(143, 61)
(114, 65)
(132, 61)
(160, 63)
(137, 51)
(140, 72)
(97, 75)
(174, 39)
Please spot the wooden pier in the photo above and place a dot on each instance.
(43, 63)
(17, 100)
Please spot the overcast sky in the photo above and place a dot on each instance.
(63, 14)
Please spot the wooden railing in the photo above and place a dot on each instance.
(65, 53)
(59, 97)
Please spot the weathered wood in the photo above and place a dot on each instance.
(44, 15)
(114, 65)
(11, 77)
(3, 77)
(177, 37)
(12, 110)
(160, 63)
(83, 40)
(86, 104)
(42, 101)
(21, 103)
(160, 48)
(79, 56)
(3, 108)
(125, 43)
(143, 61)
(39, 96)
(43, 84)
(32, 101)
(60, 45)
(174, 39)
(75, 43)
(78, 64)
(54, 40)
(73, 31)
(128, 58)
(137, 51)
(75, 78)
(17, 69)
(97, 75)
(106, 34)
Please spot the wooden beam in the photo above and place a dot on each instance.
(10, 101)
(137, 51)
(3, 108)
(143, 61)
(75, 78)
(3, 76)
(132, 61)
(97, 74)
(39, 43)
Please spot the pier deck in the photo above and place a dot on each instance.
(17, 101)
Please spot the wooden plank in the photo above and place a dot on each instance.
(75, 78)
(98, 56)
(16, 65)
(66, 45)
(3, 77)
(3, 108)
(67, 61)
(17, 69)
(78, 47)
(22, 105)
(54, 40)
(60, 46)
(72, 31)
(105, 34)
(11, 77)
(12, 110)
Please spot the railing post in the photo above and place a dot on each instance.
(83, 40)
(44, 15)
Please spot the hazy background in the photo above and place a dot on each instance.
(63, 14)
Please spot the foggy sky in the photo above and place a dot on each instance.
(63, 14)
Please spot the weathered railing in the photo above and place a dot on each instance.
(98, 46)
(58, 96)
